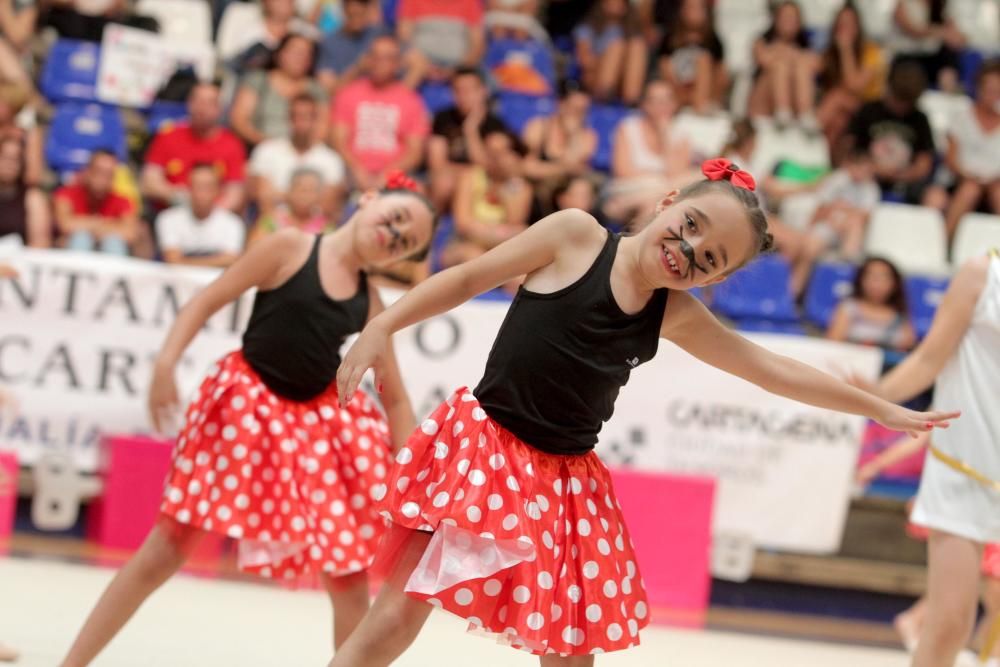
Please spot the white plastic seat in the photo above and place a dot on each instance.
(798, 209)
(977, 233)
(707, 134)
(739, 23)
(876, 17)
(912, 237)
(238, 29)
(979, 21)
(819, 14)
(775, 145)
(941, 109)
(180, 20)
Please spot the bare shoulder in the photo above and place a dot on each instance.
(573, 225)
(284, 252)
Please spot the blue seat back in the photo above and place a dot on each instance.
(829, 284)
(923, 294)
(70, 71)
(78, 129)
(437, 96)
(516, 109)
(604, 118)
(165, 112)
(759, 291)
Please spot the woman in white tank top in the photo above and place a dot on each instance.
(649, 157)
(959, 497)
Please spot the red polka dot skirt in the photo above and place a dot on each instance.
(292, 481)
(528, 546)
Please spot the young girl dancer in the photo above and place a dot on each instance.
(266, 456)
(959, 496)
(500, 509)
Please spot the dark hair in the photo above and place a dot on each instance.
(988, 68)
(566, 87)
(421, 254)
(630, 22)
(673, 39)
(272, 62)
(801, 39)
(833, 69)
(907, 81)
(897, 298)
(516, 143)
(564, 185)
(302, 98)
(857, 153)
(466, 70)
(743, 130)
(764, 240)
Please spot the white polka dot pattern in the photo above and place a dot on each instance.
(573, 587)
(251, 465)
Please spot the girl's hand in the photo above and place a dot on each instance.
(899, 418)
(163, 400)
(367, 352)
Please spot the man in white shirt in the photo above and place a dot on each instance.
(274, 161)
(201, 233)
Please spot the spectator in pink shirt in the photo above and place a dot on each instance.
(379, 124)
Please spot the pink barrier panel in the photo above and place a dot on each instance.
(8, 497)
(134, 470)
(670, 520)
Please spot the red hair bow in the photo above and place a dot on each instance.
(721, 169)
(397, 180)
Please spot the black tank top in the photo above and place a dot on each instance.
(295, 332)
(560, 359)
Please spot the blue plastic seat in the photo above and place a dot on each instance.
(923, 294)
(604, 118)
(828, 285)
(70, 71)
(521, 66)
(437, 96)
(78, 129)
(760, 291)
(442, 235)
(516, 109)
(165, 112)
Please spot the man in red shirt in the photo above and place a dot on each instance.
(92, 217)
(177, 148)
(379, 124)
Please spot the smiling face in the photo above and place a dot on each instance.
(696, 241)
(391, 227)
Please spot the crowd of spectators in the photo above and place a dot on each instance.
(495, 107)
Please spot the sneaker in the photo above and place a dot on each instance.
(809, 123)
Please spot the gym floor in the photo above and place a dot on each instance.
(195, 621)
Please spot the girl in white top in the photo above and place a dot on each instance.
(959, 497)
(649, 157)
(973, 154)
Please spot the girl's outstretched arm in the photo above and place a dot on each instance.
(257, 268)
(536, 247)
(395, 400)
(690, 325)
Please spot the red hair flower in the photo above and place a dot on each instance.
(721, 169)
(397, 180)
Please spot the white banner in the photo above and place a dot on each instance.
(136, 63)
(78, 334)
